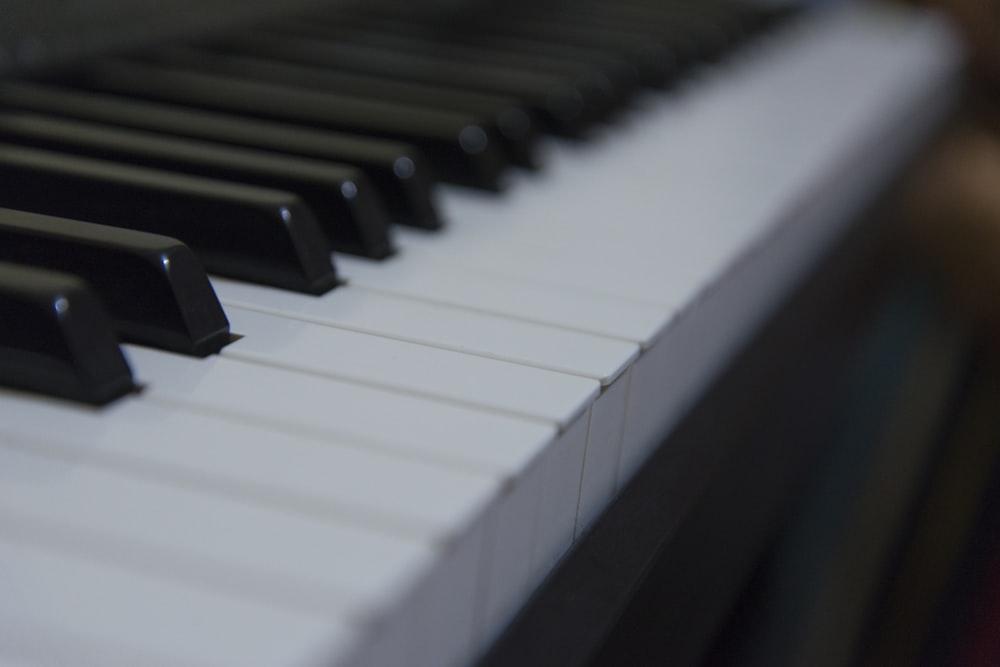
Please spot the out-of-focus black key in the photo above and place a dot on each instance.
(398, 170)
(514, 125)
(461, 148)
(153, 286)
(690, 33)
(255, 234)
(57, 339)
(555, 99)
(340, 196)
(724, 23)
(623, 75)
(656, 64)
(598, 91)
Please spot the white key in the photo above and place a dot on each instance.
(313, 478)
(344, 482)
(463, 379)
(57, 609)
(446, 326)
(407, 426)
(440, 326)
(276, 558)
(519, 453)
(513, 297)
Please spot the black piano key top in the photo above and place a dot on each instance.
(245, 232)
(343, 201)
(515, 126)
(565, 105)
(399, 171)
(594, 88)
(153, 287)
(56, 338)
(462, 149)
(656, 62)
(622, 75)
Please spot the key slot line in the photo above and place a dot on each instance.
(260, 360)
(197, 571)
(407, 339)
(345, 439)
(223, 487)
(486, 311)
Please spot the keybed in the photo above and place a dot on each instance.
(396, 446)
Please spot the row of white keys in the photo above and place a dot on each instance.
(426, 505)
(58, 609)
(205, 540)
(593, 440)
(694, 232)
(524, 456)
(418, 429)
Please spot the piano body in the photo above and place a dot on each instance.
(384, 473)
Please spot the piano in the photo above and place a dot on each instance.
(384, 472)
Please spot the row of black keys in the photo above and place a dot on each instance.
(263, 148)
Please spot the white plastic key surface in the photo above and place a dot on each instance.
(513, 297)
(421, 370)
(401, 424)
(446, 327)
(59, 609)
(302, 562)
(512, 450)
(313, 477)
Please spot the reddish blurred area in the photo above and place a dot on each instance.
(952, 205)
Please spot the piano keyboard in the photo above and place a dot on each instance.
(382, 473)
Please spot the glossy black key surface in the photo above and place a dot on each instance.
(622, 75)
(656, 63)
(57, 339)
(556, 98)
(462, 149)
(343, 201)
(691, 34)
(245, 232)
(597, 90)
(154, 288)
(398, 170)
(514, 125)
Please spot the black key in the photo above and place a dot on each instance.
(57, 339)
(597, 90)
(340, 196)
(514, 125)
(153, 286)
(622, 75)
(398, 170)
(462, 149)
(556, 100)
(656, 64)
(692, 34)
(255, 234)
